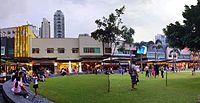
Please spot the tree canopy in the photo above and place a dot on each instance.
(186, 34)
(110, 29)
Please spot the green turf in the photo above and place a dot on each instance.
(182, 88)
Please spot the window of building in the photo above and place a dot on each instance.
(35, 50)
(50, 50)
(61, 50)
(75, 50)
(91, 50)
(96, 50)
(108, 50)
(126, 52)
(13, 32)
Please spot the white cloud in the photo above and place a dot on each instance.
(147, 17)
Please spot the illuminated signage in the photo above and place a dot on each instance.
(142, 50)
(3, 50)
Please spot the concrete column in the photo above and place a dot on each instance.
(70, 67)
(56, 68)
(80, 68)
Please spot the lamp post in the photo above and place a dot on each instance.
(174, 53)
(173, 59)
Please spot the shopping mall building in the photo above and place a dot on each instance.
(82, 53)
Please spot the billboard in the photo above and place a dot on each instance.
(142, 50)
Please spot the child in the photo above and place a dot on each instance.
(35, 84)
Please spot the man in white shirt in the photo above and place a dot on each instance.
(134, 76)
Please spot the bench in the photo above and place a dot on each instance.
(12, 98)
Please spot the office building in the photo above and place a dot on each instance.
(44, 31)
(59, 24)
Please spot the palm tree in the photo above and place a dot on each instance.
(139, 46)
(156, 46)
(174, 53)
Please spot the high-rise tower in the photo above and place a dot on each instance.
(59, 24)
(45, 29)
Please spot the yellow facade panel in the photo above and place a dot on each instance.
(22, 41)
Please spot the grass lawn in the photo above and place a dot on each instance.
(182, 88)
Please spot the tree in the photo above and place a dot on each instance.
(188, 33)
(139, 46)
(108, 28)
(156, 46)
(127, 35)
(110, 31)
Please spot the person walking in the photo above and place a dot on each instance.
(134, 77)
(150, 70)
(147, 71)
(193, 71)
(162, 71)
(156, 69)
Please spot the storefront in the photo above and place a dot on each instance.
(69, 66)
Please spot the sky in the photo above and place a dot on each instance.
(146, 17)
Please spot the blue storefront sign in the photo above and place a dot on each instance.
(142, 50)
(184, 57)
(158, 56)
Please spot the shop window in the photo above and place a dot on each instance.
(35, 50)
(50, 50)
(61, 50)
(75, 50)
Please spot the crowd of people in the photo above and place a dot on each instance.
(64, 72)
(153, 70)
(22, 77)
